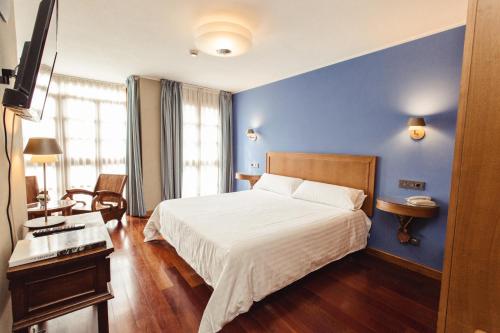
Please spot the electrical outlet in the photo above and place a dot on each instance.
(412, 184)
(254, 165)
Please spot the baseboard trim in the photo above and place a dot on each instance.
(405, 263)
(147, 216)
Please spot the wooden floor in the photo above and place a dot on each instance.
(156, 291)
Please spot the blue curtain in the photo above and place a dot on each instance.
(171, 139)
(226, 142)
(135, 196)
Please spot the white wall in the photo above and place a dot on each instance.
(8, 59)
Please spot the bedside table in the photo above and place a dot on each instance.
(406, 214)
(50, 288)
(252, 179)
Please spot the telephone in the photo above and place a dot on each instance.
(421, 200)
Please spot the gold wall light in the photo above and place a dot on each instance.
(251, 135)
(416, 128)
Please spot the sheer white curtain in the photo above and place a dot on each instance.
(88, 119)
(201, 127)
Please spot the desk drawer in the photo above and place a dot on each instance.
(64, 287)
(66, 284)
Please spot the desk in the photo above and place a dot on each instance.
(51, 288)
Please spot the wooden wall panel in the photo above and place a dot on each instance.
(470, 296)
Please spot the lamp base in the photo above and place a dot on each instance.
(40, 223)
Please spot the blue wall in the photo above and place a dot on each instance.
(361, 106)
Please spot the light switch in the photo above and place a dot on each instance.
(254, 165)
(412, 184)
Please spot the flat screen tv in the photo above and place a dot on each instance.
(29, 94)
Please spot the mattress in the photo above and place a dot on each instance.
(249, 244)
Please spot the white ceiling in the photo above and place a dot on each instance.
(111, 39)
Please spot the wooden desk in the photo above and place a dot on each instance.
(51, 288)
(252, 179)
(406, 214)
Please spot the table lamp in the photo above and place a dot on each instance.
(43, 151)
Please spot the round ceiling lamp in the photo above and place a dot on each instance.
(223, 39)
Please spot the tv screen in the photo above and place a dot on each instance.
(27, 98)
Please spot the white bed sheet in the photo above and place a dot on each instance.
(248, 244)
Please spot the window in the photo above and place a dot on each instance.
(88, 119)
(201, 127)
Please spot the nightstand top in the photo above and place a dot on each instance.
(91, 220)
(252, 179)
(401, 207)
(244, 176)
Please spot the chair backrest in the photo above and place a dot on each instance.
(113, 183)
(32, 189)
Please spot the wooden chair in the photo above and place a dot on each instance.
(32, 189)
(107, 197)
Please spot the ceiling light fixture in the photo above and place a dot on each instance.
(223, 39)
(193, 53)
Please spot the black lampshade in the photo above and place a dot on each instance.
(416, 121)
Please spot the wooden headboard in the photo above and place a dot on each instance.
(345, 170)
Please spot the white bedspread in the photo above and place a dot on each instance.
(249, 244)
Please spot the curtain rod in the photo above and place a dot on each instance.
(87, 79)
(200, 87)
(187, 84)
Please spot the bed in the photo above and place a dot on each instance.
(249, 244)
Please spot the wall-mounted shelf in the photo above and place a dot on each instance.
(406, 214)
(252, 179)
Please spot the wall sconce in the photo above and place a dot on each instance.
(251, 135)
(416, 128)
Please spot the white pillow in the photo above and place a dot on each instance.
(278, 184)
(332, 195)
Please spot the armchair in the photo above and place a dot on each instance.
(31, 189)
(107, 197)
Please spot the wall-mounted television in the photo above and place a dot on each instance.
(28, 96)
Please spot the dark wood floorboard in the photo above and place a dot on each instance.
(156, 291)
